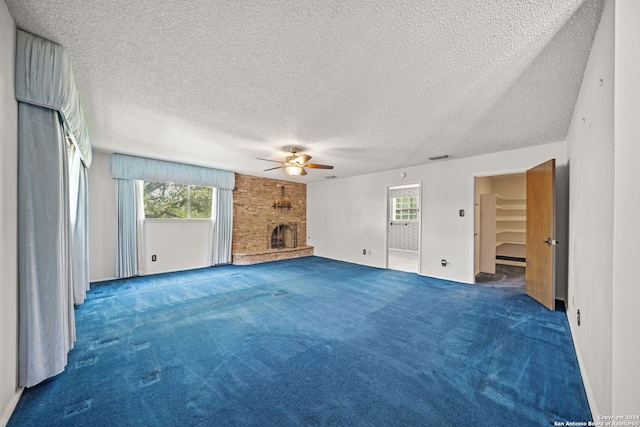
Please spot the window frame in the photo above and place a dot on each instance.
(408, 207)
(188, 201)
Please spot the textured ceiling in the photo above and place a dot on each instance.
(363, 85)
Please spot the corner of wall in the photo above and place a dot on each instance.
(10, 407)
(590, 148)
(9, 390)
(625, 290)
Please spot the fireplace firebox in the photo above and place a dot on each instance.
(283, 236)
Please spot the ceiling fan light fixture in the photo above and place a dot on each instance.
(294, 170)
(296, 165)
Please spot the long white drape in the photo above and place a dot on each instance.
(223, 227)
(79, 205)
(127, 256)
(47, 326)
(52, 246)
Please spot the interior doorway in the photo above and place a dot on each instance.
(516, 228)
(404, 227)
(500, 228)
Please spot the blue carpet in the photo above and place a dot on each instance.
(310, 341)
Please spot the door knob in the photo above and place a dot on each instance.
(550, 242)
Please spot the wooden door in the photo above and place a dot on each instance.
(488, 233)
(541, 232)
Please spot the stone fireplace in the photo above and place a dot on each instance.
(282, 236)
(269, 221)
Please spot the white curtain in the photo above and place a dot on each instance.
(79, 212)
(52, 249)
(44, 77)
(126, 200)
(223, 227)
(46, 322)
(140, 225)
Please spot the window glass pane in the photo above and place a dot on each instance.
(165, 200)
(168, 200)
(201, 202)
(405, 208)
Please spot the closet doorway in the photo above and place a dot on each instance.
(404, 228)
(500, 228)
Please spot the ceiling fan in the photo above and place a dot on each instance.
(295, 164)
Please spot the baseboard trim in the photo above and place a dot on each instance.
(103, 280)
(585, 379)
(9, 409)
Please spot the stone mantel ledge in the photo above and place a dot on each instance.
(272, 255)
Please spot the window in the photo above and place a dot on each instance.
(405, 209)
(168, 200)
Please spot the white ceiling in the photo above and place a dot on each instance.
(363, 85)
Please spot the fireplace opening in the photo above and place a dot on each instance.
(283, 236)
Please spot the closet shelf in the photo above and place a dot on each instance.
(523, 200)
(516, 250)
(509, 242)
(511, 218)
(503, 223)
(514, 207)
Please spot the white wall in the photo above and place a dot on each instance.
(626, 225)
(103, 226)
(355, 218)
(9, 391)
(590, 145)
(603, 150)
(177, 244)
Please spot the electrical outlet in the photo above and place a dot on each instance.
(578, 316)
(154, 258)
(364, 252)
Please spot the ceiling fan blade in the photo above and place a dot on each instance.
(277, 167)
(316, 166)
(268, 160)
(302, 159)
(304, 172)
